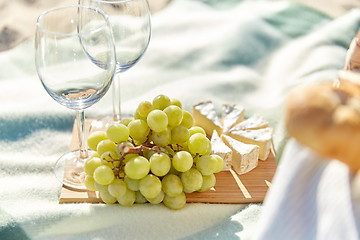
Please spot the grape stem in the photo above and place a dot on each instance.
(138, 149)
(125, 149)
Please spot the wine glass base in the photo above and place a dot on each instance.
(69, 170)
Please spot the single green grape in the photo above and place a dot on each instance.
(169, 150)
(188, 190)
(208, 150)
(158, 199)
(199, 144)
(104, 175)
(161, 102)
(160, 164)
(188, 120)
(180, 147)
(180, 134)
(161, 139)
(137, 167)
(182, 161)
(139, 130)
(208, 182)
(107, 198)
(118, 132)
(173, 170)
(207, 164)
(157, 120)
(138, 116)
(192, 179)
(105, 145)
(174, 114)
(172, 185)
(90, 183)
(123, 147)
(140, 198)
(176, 202)
(125, 121)
(94, 154)
(117, 188)
(129, 157)
(144, 108)
(139, 142)
(94, 139)
(132, 184)
(100, 188)
(128, 199)
(147, 153)
(197, 129)
(176, 102)
(150, 186)
(91, 164)
(220, 161)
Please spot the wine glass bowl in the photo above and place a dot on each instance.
(131, 26)
(130, 22)
(61, 50)
(75, 61)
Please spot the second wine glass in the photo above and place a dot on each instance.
(131, 26)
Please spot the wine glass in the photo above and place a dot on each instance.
(131, 26)
(75, 61)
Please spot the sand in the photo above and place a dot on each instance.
(18, 17)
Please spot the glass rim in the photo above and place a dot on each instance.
(98, 10)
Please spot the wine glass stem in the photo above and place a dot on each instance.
(116, 97)
(81, 127)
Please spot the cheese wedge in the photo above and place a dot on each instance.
(205, 116)
(256, 121)
(218, 147)
(260, 137)
(245, 156)
(232, 114)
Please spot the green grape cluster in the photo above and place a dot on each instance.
(156, 157)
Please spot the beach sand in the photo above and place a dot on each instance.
(18, 17)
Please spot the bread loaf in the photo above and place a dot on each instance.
(326, 117)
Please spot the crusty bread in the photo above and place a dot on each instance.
(326, 117)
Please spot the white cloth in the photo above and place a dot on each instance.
(311, 198)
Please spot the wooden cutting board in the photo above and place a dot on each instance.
(229, 188)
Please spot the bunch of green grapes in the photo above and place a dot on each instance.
(156, 157)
